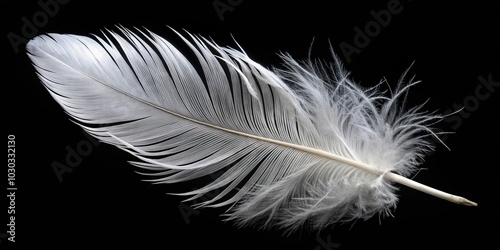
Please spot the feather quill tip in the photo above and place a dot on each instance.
(465, 202)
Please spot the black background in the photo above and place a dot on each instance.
(103, 202)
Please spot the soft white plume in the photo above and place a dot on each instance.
(271, 132)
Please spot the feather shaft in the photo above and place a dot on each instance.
(388, 175)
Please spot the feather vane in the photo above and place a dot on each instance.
(301, 144)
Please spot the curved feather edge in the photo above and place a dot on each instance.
(220, 111)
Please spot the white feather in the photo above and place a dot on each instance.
(275, 134)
